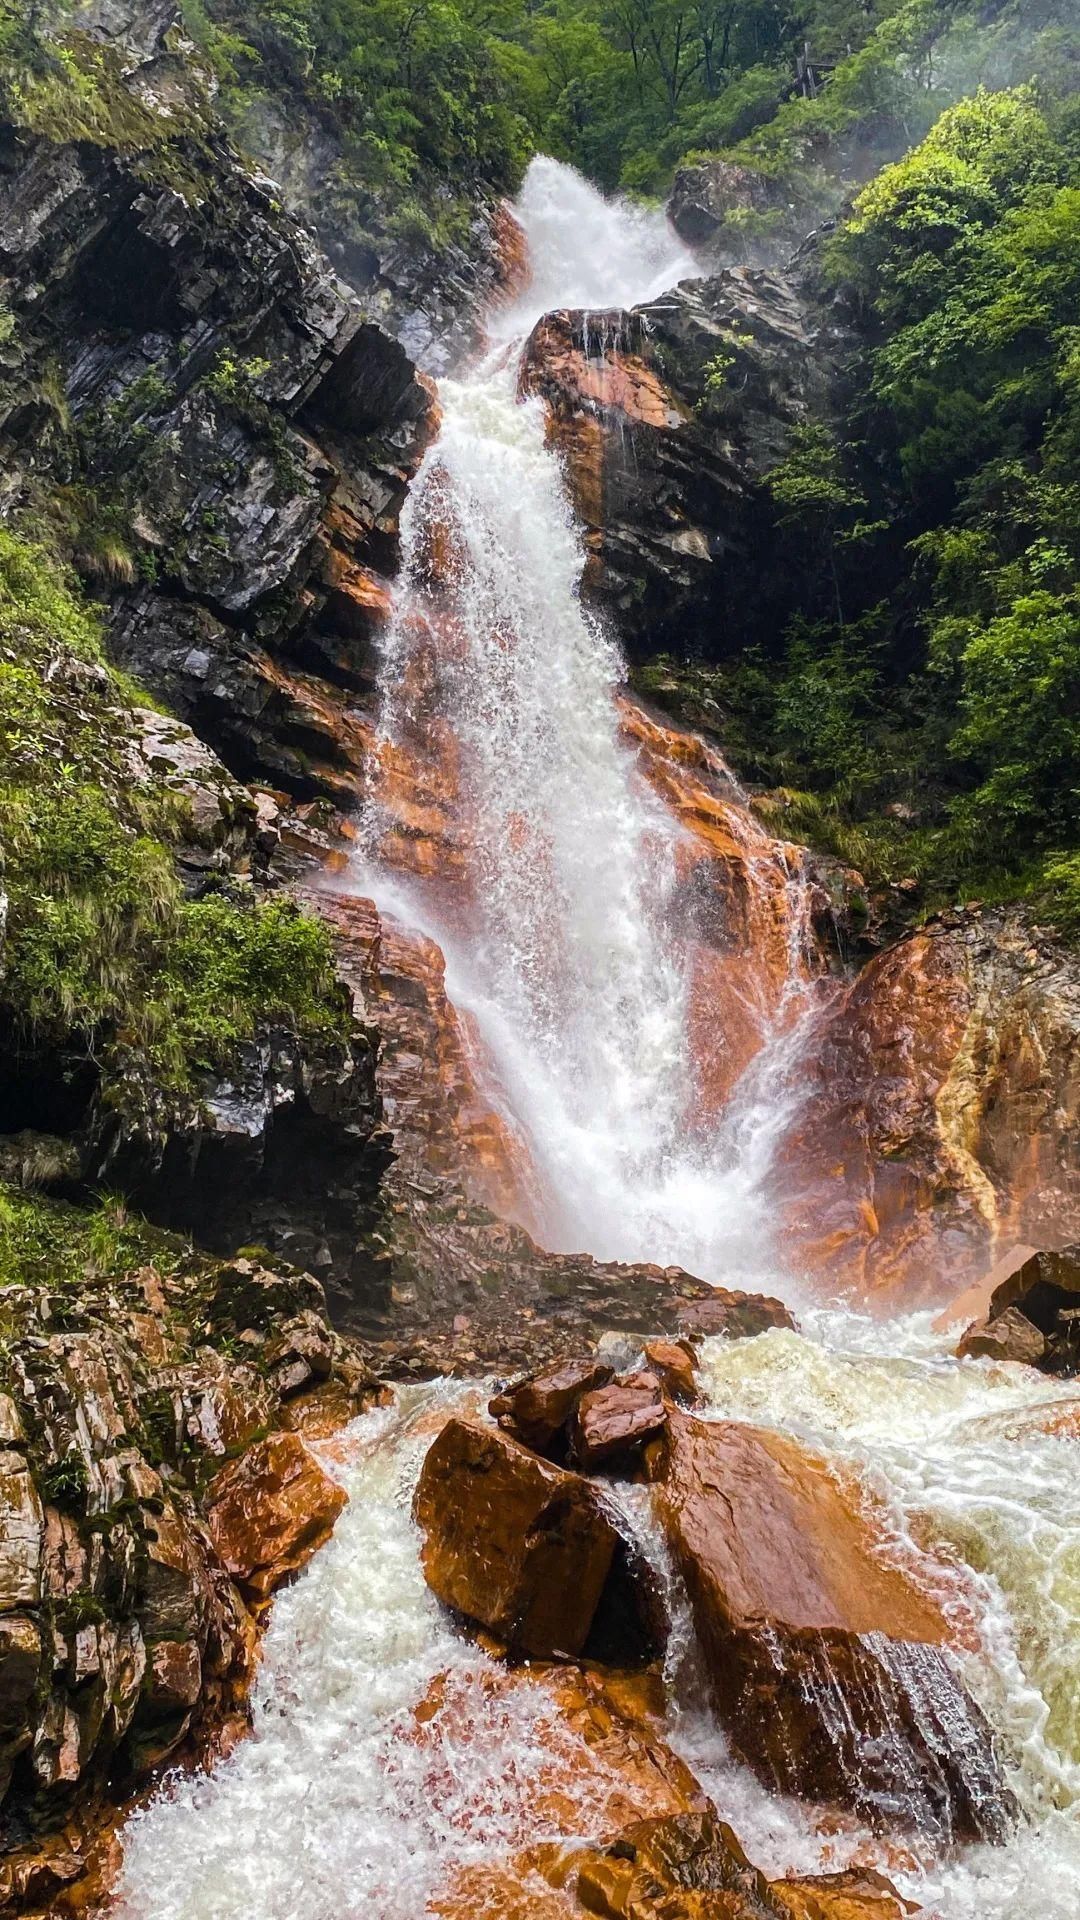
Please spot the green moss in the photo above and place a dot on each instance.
(65, 85)
(102, 946)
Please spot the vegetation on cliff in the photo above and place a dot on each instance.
(101, 942)
(921, 707)
(435, 101)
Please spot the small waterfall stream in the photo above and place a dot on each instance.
(557, 945)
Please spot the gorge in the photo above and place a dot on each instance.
(560, 854)
(538, 1370)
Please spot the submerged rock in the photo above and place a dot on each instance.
(827, 1664)
(527, 1550)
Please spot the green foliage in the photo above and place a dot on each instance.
(101, 944)
(934, 666)
(49, 1243)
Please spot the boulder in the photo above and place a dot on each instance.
(536, 1410)
(857, 1894)
(600, 1737)
(797, 1609)
(270, 1510)
(524, 1548)
(613, 1422)
(1038, 1302)
(1010, 1336)
(685, 1867)
(673, 1361)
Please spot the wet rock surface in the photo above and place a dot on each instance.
(796, 1608)
(940, 1124)
(524, 1548)
(1033, 1316)
(667, 470)
(144, 1510)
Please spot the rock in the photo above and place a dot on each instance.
(1033, 1315)
(941, 1117)
(269, 1511)
(857, 1894)
(1010, 1336)
(973, 1303)
(536, 1410)
(688, 1866)
(221, 816)
(793, 1601)
(666, 471)
(603, 1752)
(522, 1547)
(704, 197)
(673, 1362)
(613, 1422)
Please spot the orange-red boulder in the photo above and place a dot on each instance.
(673, 1361)
(526, 1549)
(270, 1510)
(826, 1661)
(613, 1422)
(857, 1894)
(537, 1409)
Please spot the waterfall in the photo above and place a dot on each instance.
(552, 901)
(559, 942)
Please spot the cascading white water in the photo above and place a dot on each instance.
(563, 957)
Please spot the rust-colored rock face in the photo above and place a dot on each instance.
(941, 1125)
(518, 1545)
(795, 1605)
(740, 913)
(270, 1510)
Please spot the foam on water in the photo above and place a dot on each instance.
(956, 1454)
(332, 1809)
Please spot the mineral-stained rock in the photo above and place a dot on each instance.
(602, 1764)
(270, 1510)
(520, 1546)
(613, 1422)
(1008, 1336)
(857, 1894)
(536, 1410)
(796, 1607)
(673, 1362)
(667, 482)
(941, 1121)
